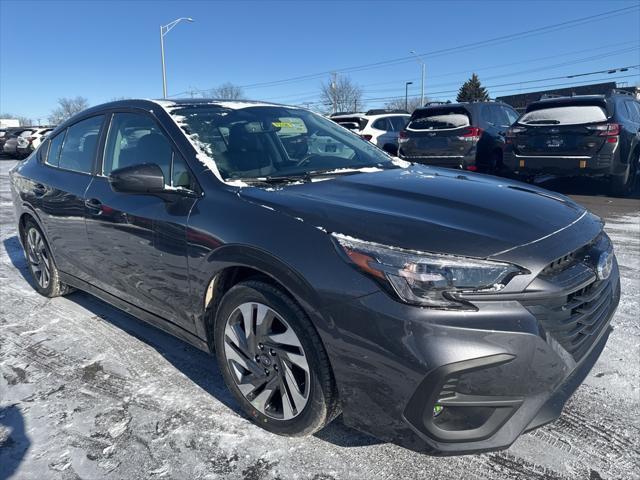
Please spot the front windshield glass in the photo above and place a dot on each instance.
(271, 141)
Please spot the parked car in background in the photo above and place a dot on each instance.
(6, 133)
(588, 135)
(381, 127)
(10, 146)
(28, 143)
(469, 136)
(447, 313)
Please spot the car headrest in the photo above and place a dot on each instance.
(90, 142)
(153, 148)
(242, 140)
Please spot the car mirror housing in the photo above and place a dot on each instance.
(141, 178)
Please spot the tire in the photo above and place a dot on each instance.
(41, 264)
(256, 373)
(496, 167)
(623, 185)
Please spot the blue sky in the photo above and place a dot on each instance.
(102, 50)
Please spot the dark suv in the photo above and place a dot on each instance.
(458, 135)
(431, 308)
(589, 135)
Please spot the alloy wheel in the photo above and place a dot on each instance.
(267, 361)
(38, 258)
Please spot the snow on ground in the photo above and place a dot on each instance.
(87, 391)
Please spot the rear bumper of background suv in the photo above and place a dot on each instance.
(565, 165)
(505, 369)
(445, 161)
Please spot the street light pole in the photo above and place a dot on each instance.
(421, 61)
(406, 95)
(164, 29)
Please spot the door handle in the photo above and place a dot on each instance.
(94, 205)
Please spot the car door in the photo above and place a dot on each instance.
(139, 240)
(57, 192)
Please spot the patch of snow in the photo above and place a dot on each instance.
(398, 162)
(203, 151)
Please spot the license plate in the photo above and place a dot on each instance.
(555, 142)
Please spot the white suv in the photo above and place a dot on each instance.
(380, 127)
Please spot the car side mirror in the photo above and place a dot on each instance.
(141, 178)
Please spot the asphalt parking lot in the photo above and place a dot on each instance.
(87, 391)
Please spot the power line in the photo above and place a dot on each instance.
(398, 81)
(406, 59)
(444, 92)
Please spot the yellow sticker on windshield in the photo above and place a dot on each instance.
(282, 124)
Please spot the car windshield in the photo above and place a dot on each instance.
(271, 142)
(439, 119)
(567, 115)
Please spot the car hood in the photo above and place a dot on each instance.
(426, 209)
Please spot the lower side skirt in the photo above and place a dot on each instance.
(144, 315)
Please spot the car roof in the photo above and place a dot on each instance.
(460, 105)
(568, 100)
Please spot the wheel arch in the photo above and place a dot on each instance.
(233, 264)
(29, 214)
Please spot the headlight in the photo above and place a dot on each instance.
(427, 279)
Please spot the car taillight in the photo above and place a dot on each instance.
(471, 134)
(511, 133)
(609, 130)
(471, 168)
(367, 137)
(403, 137)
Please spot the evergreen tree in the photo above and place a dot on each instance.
(472, 91)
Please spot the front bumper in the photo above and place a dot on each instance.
(497, 372)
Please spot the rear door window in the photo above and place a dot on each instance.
(633, 111)
(565, 115)
(439, 119)
(512, 115)
(55, 145)
(382, 124)
(79, 147)
(398, 123)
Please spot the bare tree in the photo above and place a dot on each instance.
(228, 91)
(67, 108)
(398, 104)
(340, 94)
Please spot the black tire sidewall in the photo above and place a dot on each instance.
(315, 412)
(47, 292)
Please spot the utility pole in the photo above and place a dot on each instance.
(334, 99)
(421, 61)
(406, 95)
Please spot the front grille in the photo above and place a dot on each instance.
(575, 320)
(575, 323)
